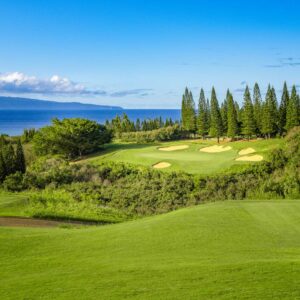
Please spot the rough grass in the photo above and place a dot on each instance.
(13, 204)
(189, 160)
(57, 205)
(226, 250)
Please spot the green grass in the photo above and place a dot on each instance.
(226, 250)
(189, 160)
(13, 204)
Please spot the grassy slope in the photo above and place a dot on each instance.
(189, 160)
(226, 250)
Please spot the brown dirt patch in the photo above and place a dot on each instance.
(29, 222)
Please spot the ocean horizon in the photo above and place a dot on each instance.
(13, 122)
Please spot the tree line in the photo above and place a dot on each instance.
(122, 124)
(12, 159)
(256, 117)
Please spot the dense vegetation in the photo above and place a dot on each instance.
(121, 124)
(12, 159)
(69, 189)
(255, 118)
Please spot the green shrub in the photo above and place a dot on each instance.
(14, 182)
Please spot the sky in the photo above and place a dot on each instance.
(142, 54)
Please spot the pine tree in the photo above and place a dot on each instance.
(184, 117)
(257, 108)
(3, 172)
(239, 117)
(224, 112)
(191, 114)
(248, 128)
(203, 117)
(232, 130)
(9, 158)
(20, 164)
(274, 111)
(215, 116)
(267, 122)
(283, 109)
(292, 113)
(138, 124)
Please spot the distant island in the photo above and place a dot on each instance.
(15, 103)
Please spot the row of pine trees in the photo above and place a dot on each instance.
(256, 117)
(12, 158)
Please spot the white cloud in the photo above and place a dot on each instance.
(21, 83)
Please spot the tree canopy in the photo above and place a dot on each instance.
(71, 137)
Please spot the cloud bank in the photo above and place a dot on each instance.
(20, 83)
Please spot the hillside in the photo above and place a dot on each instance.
(13, 103)
(225, 250)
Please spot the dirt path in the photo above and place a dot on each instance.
(29, 222)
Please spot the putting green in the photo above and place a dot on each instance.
(188, 158)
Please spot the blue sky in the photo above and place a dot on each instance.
(142, 54)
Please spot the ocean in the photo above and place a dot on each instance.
(13, 122)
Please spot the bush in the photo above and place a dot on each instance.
(14, 182)
(161, 134)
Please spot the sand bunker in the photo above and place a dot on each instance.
(250, 158)
(161, 165)
(246, 151)
(174, 148)
(215, 149)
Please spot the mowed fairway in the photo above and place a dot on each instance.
(226, 250)
(190, 159)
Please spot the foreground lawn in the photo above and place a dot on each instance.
(226, 250)
(189, 160)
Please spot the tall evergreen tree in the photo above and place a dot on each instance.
(216, 126)
(257, 108)
(232, 129)
(292, 113)
(283, 109)
(20, 164)
(224, 112)
(9, 158)
(3, 172)
(138, 124)
(192, 120)
(203, 115)
(248, 128)
(239, 117)
(274, 111)
(184, 109)
(267, 122)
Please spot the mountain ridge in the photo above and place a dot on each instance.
(19, 103)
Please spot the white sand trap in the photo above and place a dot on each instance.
(174, 148)
(215, 149)
(247, 151)
(161, 165)
(250, 158)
